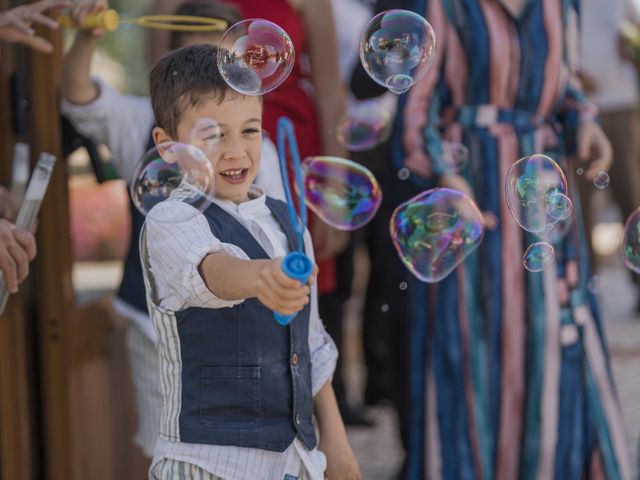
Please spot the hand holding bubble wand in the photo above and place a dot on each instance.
(296, 265)
(110, 20)
(30, 207)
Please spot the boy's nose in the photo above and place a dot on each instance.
(233, 149)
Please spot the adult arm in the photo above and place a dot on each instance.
(17, 249)
(16, 24)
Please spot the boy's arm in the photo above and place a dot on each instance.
(341, 461)
(231, 278)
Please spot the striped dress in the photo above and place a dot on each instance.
(510, 374)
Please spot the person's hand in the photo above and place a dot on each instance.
(15, 23)
(278, 292)
(594, 148)
(341, 462)
(81, 8)
(327, 241)
(457, 182)
(8, 207)
(17, 249)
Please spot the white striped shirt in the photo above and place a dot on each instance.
(176, 248)
(123, 123)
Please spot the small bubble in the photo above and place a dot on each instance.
(601, 180)
(404, 173)
(596, 284)
(579, 171)
(384, 308)
(403, 285)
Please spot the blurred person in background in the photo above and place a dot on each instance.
(509, 369)
(608, 71)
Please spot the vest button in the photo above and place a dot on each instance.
(294, 359)
(298, 418)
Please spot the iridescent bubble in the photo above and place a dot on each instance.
(435, 231)
(342, 193)
(596, 284)
(255, 56)
(384, 308)
(455, 156)
(175, 171)
(601, 180)
(364, 125)
(556, 231)
(404, 173)
(538, 256)
(403, 285)
(397, 48)
(579, 171)
(206, 135)
(631, 242)
(530, 182)
(559, 206)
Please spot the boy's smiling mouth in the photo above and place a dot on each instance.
(235, 176)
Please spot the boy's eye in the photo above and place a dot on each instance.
(251, 130)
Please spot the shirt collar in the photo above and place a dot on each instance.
(256, 206)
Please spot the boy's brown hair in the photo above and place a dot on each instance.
(184, 79)
(208, 9)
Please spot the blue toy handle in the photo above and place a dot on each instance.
(298, 266)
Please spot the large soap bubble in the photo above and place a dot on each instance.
(342, 193)
(175, 171)
(397, 48)
(435, 231)
(256, 56)
(533, 183)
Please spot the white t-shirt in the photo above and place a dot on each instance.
(616, 79)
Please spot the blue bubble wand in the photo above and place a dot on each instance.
(296, 264)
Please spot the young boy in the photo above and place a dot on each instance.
(124, 123)
(239, 390)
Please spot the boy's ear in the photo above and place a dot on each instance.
(160, 136)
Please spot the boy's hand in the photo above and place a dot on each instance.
(15, 24)
(81, 8)
(278, 292)
(341, 462)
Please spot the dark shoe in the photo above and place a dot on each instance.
(356, 417)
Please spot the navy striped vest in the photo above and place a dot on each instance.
(246, 380)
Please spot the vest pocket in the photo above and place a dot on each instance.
(229, 396)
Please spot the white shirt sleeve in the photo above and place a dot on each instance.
(121, 122)
(178, 239)
(324, 353)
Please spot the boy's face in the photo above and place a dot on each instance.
(233, 145)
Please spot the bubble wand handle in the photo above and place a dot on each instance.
(296, 264)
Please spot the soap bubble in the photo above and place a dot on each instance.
(403, 285)
(538, 256)
(404, 173)
(601, 180)
(435, 231)
(579, 171)
(559, 206)
(342, 193)
(255, 56)
(397, 49)
(175, 171)
(206, 135)
(530, 184)
(631, 242)
(365, 125)
(455, 156)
